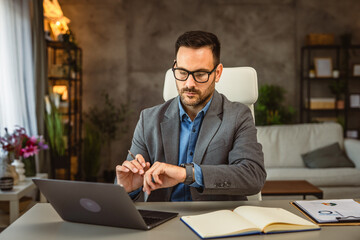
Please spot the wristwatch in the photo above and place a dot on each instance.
(189, 173)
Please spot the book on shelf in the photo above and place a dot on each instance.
(322, 103)
(246, 220)
(331, 212)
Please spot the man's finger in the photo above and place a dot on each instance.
(148, 179)
(146, 187)
(140, 160)
(156, 176)
(137, 165)
(131, 166)
(120, 168)
(156, 179)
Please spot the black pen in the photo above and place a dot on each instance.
(132, 155)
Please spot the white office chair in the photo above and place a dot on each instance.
(238, 84)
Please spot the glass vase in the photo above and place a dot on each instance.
(30, 166)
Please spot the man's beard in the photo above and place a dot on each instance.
(201, 98)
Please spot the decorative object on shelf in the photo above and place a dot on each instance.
(6, 183)
(20, 168)
(352, 133)
(319, 39)
(356, 70)
(20, 146)
(269, 109)
(336, 73)
(62, 91)
(54, 19)
(340, 104)
(354, 100)
(312, 73)
(323, 67)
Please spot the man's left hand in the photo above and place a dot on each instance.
(163, 175)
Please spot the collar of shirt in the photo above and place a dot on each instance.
(184, 115)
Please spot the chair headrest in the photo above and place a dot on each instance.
(238, 84)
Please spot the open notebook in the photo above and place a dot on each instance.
(246, 220)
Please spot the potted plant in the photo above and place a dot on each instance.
(91, 151)
(55, 131)
(269, 109)
(338, 87)
(106, 122)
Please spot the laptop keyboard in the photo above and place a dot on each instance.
(153, 217)
(151, 220)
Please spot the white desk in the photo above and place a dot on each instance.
(42, 223)
(20, 190)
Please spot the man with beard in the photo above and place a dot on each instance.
(199, 145)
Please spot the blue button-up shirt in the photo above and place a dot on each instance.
(189, 132)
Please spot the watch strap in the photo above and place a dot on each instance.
(189, 179)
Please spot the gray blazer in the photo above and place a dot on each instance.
(227, 150)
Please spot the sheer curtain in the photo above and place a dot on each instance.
(17, 85)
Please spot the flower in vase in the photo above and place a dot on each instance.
(20, 144)
(29, 151)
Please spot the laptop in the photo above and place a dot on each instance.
(98, 203)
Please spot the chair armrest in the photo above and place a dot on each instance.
(352, 150)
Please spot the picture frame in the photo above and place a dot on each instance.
(356, 70)
(323, 67)
(352, 133)
(354, 100)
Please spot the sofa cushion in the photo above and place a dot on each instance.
(284, 144)
(330, 177)
(329, 156)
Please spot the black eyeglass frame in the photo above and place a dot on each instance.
(192, 73)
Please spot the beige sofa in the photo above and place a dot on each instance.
(284, 144)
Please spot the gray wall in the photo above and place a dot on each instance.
(129, 44)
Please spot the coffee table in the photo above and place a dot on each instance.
(291, 187)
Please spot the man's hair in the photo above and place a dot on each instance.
(198, 39)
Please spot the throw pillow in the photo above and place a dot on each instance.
(329, 156)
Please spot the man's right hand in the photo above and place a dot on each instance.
(130, 174)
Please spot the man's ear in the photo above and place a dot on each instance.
(218, 72)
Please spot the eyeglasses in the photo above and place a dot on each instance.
(181, 74)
